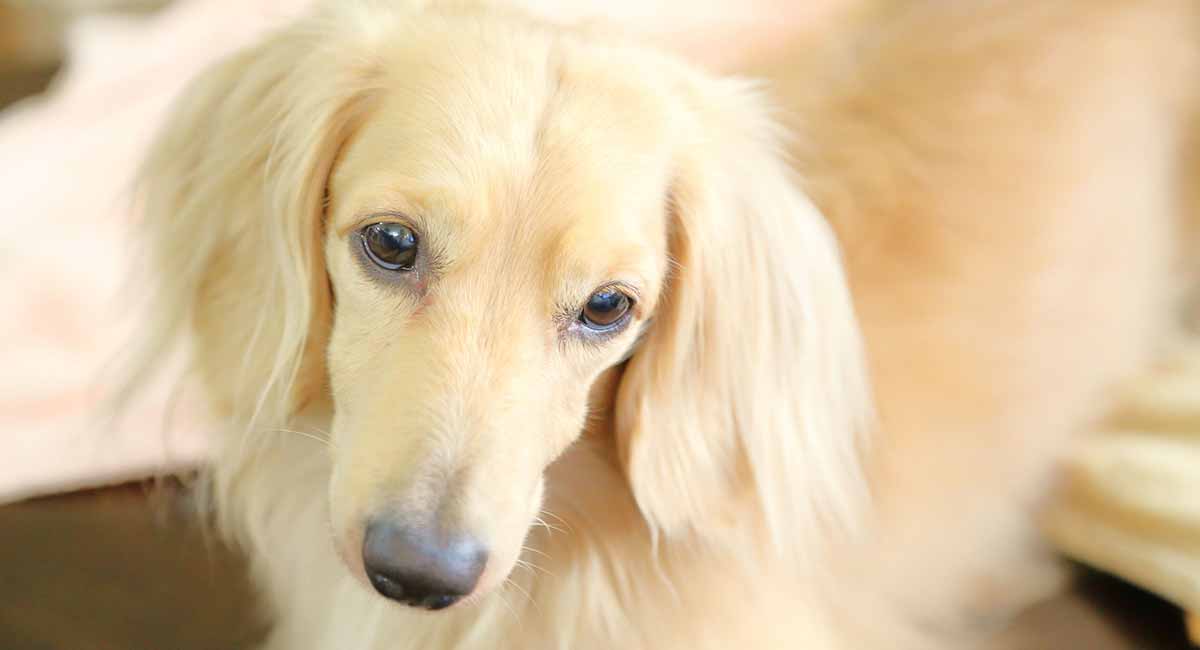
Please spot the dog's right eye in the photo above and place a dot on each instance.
(390, 245)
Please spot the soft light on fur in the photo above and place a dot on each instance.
(695, 480)
(755, 271)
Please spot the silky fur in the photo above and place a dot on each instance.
(966, 226)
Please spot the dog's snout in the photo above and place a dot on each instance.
(419, 566)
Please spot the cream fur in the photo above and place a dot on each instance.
(1008, 184)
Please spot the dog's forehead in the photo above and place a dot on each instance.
(549, 137)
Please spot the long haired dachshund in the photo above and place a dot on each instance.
(527, 336)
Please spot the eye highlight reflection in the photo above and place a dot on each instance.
(606, 310)
(390, 246)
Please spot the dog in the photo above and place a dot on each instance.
(532, 336)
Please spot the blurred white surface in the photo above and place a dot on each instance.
(68, 158)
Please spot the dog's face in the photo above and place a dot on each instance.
(448, 225)
(487, 264)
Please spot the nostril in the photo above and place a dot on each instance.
(420, 566)
(439, 602)
(385, 584)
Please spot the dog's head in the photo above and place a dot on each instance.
(449, 225)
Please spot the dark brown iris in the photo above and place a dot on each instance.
(392, 246)
(605, 309)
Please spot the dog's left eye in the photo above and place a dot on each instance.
(605, 309)
(391, 246)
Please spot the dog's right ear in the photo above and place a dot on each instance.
(745, 401)
(234, 192)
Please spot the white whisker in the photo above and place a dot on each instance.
(537, 551)
(550, 529)
(533, 568)
(323, 440)
(513, 583)
(507, 605)
(558, 518)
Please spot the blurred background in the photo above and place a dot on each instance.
(92, 553)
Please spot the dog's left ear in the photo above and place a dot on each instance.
(743, 403)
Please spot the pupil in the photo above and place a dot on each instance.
(392, 244)
(397, 238)
(606, 301)
(605, 308)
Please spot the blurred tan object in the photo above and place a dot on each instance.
(1131, 502)
(28, 36)
(30, 51)
(67, 7)
(32, 31)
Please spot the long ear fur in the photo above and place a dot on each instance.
(743, 404)
(233, 198)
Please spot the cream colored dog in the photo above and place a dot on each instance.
(546, 331)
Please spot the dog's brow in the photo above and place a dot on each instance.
(394, 195)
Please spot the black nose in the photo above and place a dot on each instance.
(420, 567)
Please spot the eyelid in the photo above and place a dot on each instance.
(629, 290)
(590, 336)
(387, 216)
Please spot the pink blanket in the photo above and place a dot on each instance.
(68, 158)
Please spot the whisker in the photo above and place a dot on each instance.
(325, 441)
(320, 430)
(513, 583)
(550, 529)
(534, 550)
(508, 605)
(557, 518)
(533, 568)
